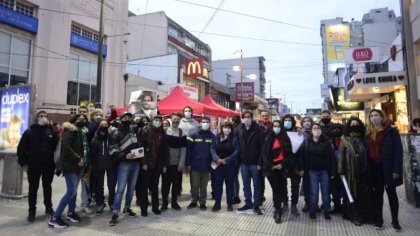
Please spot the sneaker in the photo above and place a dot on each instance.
(274, 213)
(285, 208)
(86, 209)
(73, 217)
(144, 213)
(175, 206)
(277, 219)
(312, 215)
(379, 226)
(57, 223)
(305, 208)
(230, 207)
(396, 226)
(216, 208)
(100, 209)
(31, 216)
(327, 216)
(236, 200)
(357, 222)
(114, 220)
(203, 207)
(244, 208)
(257, 211)
(294, 210)
(129, 212)
(49, 211)
(192, 205)
(156, 211)
(164, 206)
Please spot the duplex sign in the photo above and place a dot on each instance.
(362, 55)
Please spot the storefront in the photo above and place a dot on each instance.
(343, 110)
(385, 91)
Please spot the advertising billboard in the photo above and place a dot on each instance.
(15, 109)
(247, 91)
(337, 39)
(362, 55)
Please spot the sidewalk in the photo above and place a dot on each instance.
(13, 215)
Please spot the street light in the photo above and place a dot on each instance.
(239, 68)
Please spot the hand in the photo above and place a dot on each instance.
(220, 161)
(332, 177)
(301, 173)
(164, 170)
(144, 167)
(81, 163)
(258, 167)
(111, 106)
(25, 168)
(130, 156)
(395, 176)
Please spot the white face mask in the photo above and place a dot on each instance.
(187, 114)
(246, 121)
(226, 131)
(316, 133)
(307, 125)
(276, 130)
(42, 121)
(376, 120)
(205, 126)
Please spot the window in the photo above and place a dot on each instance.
(20, 7)
(172, 49)
(87, 33)
(14, 59)
(81, 79)
(173, 32)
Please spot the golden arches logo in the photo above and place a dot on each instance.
(195, 65)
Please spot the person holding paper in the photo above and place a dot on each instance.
(275, 157)
(352, 164)
(227, 150)
(385, 165)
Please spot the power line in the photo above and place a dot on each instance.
(211, 18)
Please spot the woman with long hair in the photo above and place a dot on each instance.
(385, 165)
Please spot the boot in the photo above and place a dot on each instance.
(164, 205)
(294, 210)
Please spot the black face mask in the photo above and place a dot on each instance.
(81, 124)
(326, 121)
(103, 130)
(356, 129)
(126, 123)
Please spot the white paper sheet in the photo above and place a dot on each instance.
(296, 139)
(346, 186)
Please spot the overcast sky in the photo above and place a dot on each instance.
(295, 70)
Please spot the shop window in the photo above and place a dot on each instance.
(14, 59)
(81, 79)
(18, 6)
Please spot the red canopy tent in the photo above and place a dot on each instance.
(177, 100)
(209, 101)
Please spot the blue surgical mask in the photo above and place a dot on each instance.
(276, 130)
(205, 126)
(157, 123)
(288, 124)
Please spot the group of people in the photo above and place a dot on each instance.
(136, 151)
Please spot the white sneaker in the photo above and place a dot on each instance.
(86, 209)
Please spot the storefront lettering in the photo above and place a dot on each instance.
(369, 80)
(380, 79)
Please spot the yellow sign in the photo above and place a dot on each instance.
(337, 39)
(194, 68)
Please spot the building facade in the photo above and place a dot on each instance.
(54, 45)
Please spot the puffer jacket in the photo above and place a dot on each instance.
(73, 147)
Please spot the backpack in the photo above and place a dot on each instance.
(58, 159)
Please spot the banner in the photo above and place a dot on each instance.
(15, 109)
(143, 103)
(337, 39)
(362, 55)
(247, 91)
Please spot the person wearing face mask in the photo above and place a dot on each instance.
(227, 149)
(75, 158)
(385, 155)
(123, 142)
(289, 125)
(103, 162)
(317, 160)
(306, 124)
(275, 159)
(236, 123)
(153, 164)
(36, 152)
(333, 131)
(251, 139)
(352, 164)
(177, 144)
(200, 152)
(266, 124)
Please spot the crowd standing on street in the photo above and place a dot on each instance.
(352, 164)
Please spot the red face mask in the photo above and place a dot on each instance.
(265, 120)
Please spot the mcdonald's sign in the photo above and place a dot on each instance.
(194, 68)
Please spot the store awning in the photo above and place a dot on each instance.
(365, 87)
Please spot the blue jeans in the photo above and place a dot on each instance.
(250, 172)
(127, 175)
(224, 173)
(69, 198)
(316, 178)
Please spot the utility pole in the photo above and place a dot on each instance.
(242, 91)
(100, 58)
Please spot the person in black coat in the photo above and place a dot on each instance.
(36, 153)
(275, 155)
(103, 162)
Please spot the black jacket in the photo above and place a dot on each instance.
(251, 142)
(268, 153)
(36, 147)
(156, 148)
(99, 152)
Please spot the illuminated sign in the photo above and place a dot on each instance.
(195, 68)
(337, 39)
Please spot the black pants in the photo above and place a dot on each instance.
(278, 183)
(149, 181)
(171, 177)
(34, 175)
(336, 190)
(138, 186)
(295, 184)
(111, 177)
(262, 178)
(378, 186)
